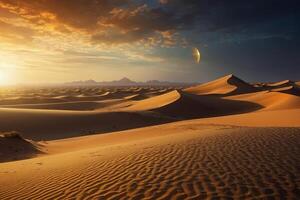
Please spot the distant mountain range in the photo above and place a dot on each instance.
(127, 82)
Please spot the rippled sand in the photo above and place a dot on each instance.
(225, 162)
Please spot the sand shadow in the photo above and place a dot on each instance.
(191, 106)
(14, 147)
(50, 125)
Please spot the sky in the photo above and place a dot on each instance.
(50, 41)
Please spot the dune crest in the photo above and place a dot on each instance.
(226, 85)
(155, 102)
(294, 90)
(283, 83)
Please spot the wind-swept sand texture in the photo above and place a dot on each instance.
(225, 139)
(185, 161)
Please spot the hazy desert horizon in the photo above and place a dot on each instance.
(124, 81)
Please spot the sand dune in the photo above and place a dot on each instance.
(294, 90)
(286, 86)
(155, 102)
(54, 124)
(100, 97)
(268, 118)
(194, 106)
(73, 95)
(77, 105)
(227, 85)
(182, 105)
(158, 92)
(136, 97)
(75, 99)
(55, 121)
(116, 115)
(225, 139)
(283, 83)
(182, 161)
(271, 100)
(33, 100)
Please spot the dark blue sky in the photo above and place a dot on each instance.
(257, 40)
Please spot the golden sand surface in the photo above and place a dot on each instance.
(225, 139)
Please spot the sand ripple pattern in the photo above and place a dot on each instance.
(236, 163)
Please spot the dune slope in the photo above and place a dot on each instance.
(193, 106)
(274, 100)
(192, 162)
(182, 105)
(73, 105)
(294, 90)
(155, 102)
(268, 118)
(38, 124)
(42, 124)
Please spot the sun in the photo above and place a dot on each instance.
(4, 78)
(7, 73)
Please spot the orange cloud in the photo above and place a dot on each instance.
(105, 22)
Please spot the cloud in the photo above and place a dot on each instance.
(128, 21)
(15, 34)
(105, 21)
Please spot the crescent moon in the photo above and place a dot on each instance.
(196, 55)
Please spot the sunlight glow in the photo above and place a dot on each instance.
(6, 77)
(4, 80)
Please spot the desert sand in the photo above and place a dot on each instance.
(226, 139)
